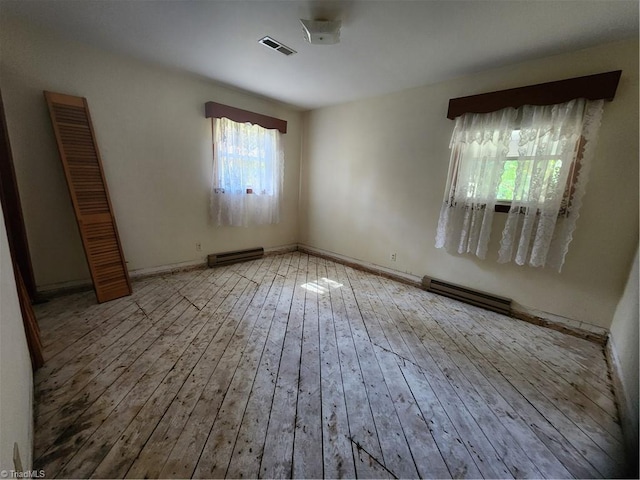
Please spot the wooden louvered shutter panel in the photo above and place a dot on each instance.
(89, 195)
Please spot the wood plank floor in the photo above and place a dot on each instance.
(295, 366)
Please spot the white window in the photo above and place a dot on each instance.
(519, 164)
(247, 174)
(531, 163)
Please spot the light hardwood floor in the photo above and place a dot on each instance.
(295, 366)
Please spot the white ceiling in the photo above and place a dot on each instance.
(386, 45)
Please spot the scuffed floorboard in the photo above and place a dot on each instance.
(296, 366)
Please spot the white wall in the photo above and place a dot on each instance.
(374, 173)
(155, 145)
(624, 340)
(16, 380)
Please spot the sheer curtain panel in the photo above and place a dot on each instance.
(479, 147)
(555, 150)
(247, 174)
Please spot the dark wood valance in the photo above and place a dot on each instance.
(218, 110)
(592, 87)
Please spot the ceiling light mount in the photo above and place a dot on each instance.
(321, 32)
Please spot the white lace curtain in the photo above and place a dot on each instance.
(479, 147)
(247, 174)
(549, 183)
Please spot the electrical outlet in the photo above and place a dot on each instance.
(198, 247)
(393, 257)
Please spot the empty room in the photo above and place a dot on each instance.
(319, 239)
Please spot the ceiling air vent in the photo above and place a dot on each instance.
(276, 45)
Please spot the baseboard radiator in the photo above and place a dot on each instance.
(467, 295)
(227, 258)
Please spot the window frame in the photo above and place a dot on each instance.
(239, 160)
(591, 87)
(246, 206)
(214, 110)
(505, 206)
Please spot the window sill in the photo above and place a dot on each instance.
(506, 207)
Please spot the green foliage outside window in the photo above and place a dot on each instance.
(506, 187)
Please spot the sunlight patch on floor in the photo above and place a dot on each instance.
(322, 285)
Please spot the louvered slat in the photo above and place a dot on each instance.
(89, 194)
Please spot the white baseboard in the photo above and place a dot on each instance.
(576, 328)
(164, 269)
(628, 418)
(63, 288)
(292, 247)
(367, 266)
(74, 286)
